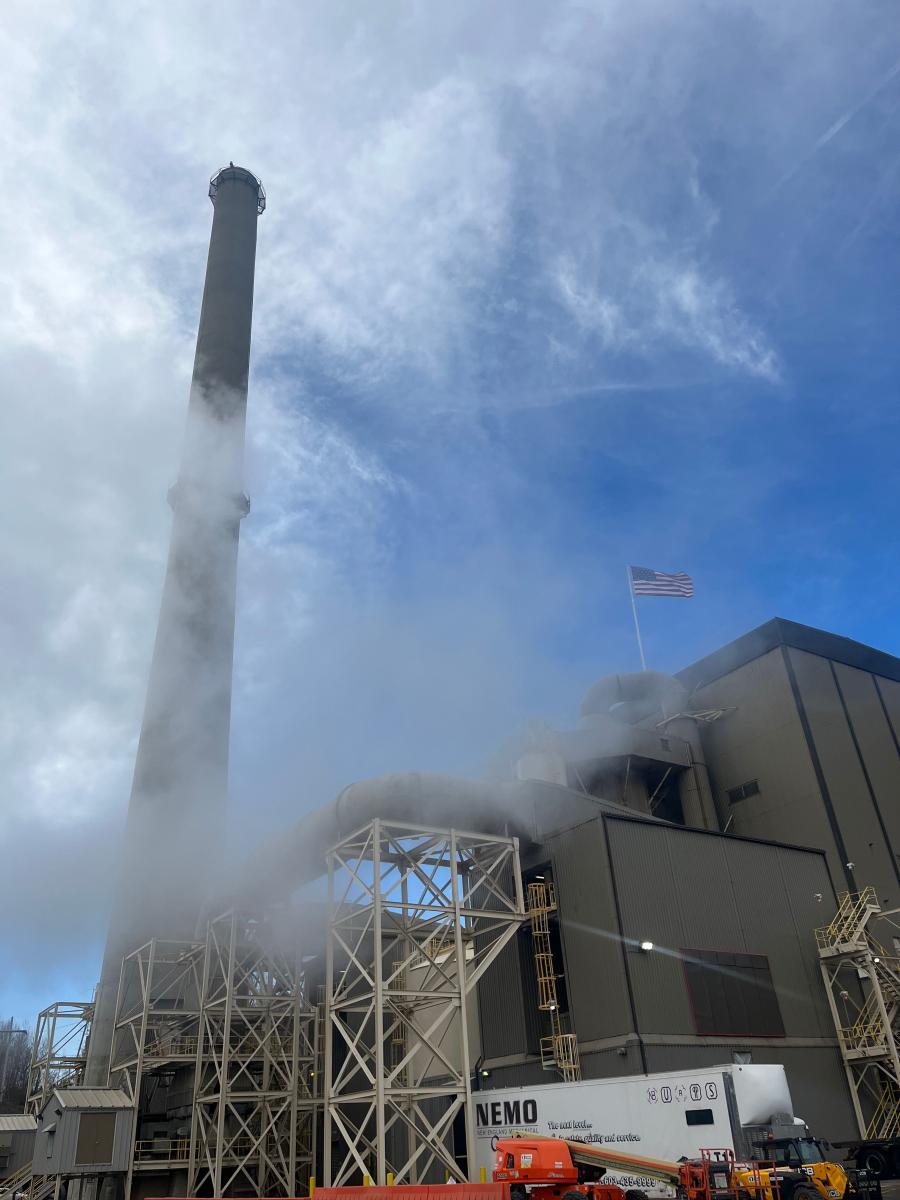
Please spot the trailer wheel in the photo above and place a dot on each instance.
(636, 1194)
(573, 1196)
(872, 1161)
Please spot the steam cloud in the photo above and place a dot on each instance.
(515, 265)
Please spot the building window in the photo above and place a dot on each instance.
(699, 1116)
(732, 994)
(750, 788)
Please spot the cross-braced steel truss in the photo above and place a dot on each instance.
(221, 1025)
(862, 980)
(417, 916)
(155, 1039)
(253, 1120)
(59, 1050)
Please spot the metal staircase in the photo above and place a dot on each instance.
(559, 1050)
(16, 1183)
(862, 981)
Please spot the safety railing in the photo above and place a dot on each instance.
(16, 1182)
(848, 926)
(885, 1122)
(166, 1150)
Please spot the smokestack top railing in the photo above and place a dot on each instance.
(245, 176)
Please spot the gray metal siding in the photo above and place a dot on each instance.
(684, 890)
(519, 1075)
(854, 810)
(775, 889)
(644, 877)
(761, 737)
(595, 978)
(609, 1064)
(818, 1089)
(876, 743)
(20, 1148)
(62, 1157)
(500, 1006)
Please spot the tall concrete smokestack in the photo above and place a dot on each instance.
(177, 811)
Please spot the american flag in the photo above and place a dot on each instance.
(645, 582)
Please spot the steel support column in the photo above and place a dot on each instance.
(417, 916)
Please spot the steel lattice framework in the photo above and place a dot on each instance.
(59, 1050)
(254, 1112)
(226, 1022)
(155, 1037)
(417, 916)
(862, 980)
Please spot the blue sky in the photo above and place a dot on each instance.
(541, 290)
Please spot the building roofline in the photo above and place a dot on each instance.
(780, 632)
(639, 818)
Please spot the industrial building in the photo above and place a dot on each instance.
(659, 887)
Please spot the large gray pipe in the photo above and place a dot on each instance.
(177, 810)
(417, 798)
(634, 697)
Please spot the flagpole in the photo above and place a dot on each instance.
(637, 628)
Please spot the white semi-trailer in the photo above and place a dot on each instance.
(668, 1116)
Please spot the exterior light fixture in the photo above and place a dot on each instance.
(646, 946)
(485, 1073)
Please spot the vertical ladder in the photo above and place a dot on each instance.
(559, 1050)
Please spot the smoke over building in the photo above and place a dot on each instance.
(639, 893)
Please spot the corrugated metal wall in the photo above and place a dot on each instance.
(854, 728)
(761, 738)
(65, 1138)
(835, 719)
(686, 890)
(501, 1008)
(598, 995)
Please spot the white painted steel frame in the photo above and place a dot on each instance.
(59, 1050)
(862, 983)
(418, 915)
(254, 1112)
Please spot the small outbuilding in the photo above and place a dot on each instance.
(16, 1142)
(84, 1131)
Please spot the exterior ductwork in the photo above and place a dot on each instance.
(419, 798)
(633, 698)
(662, 701)
(609, 730)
